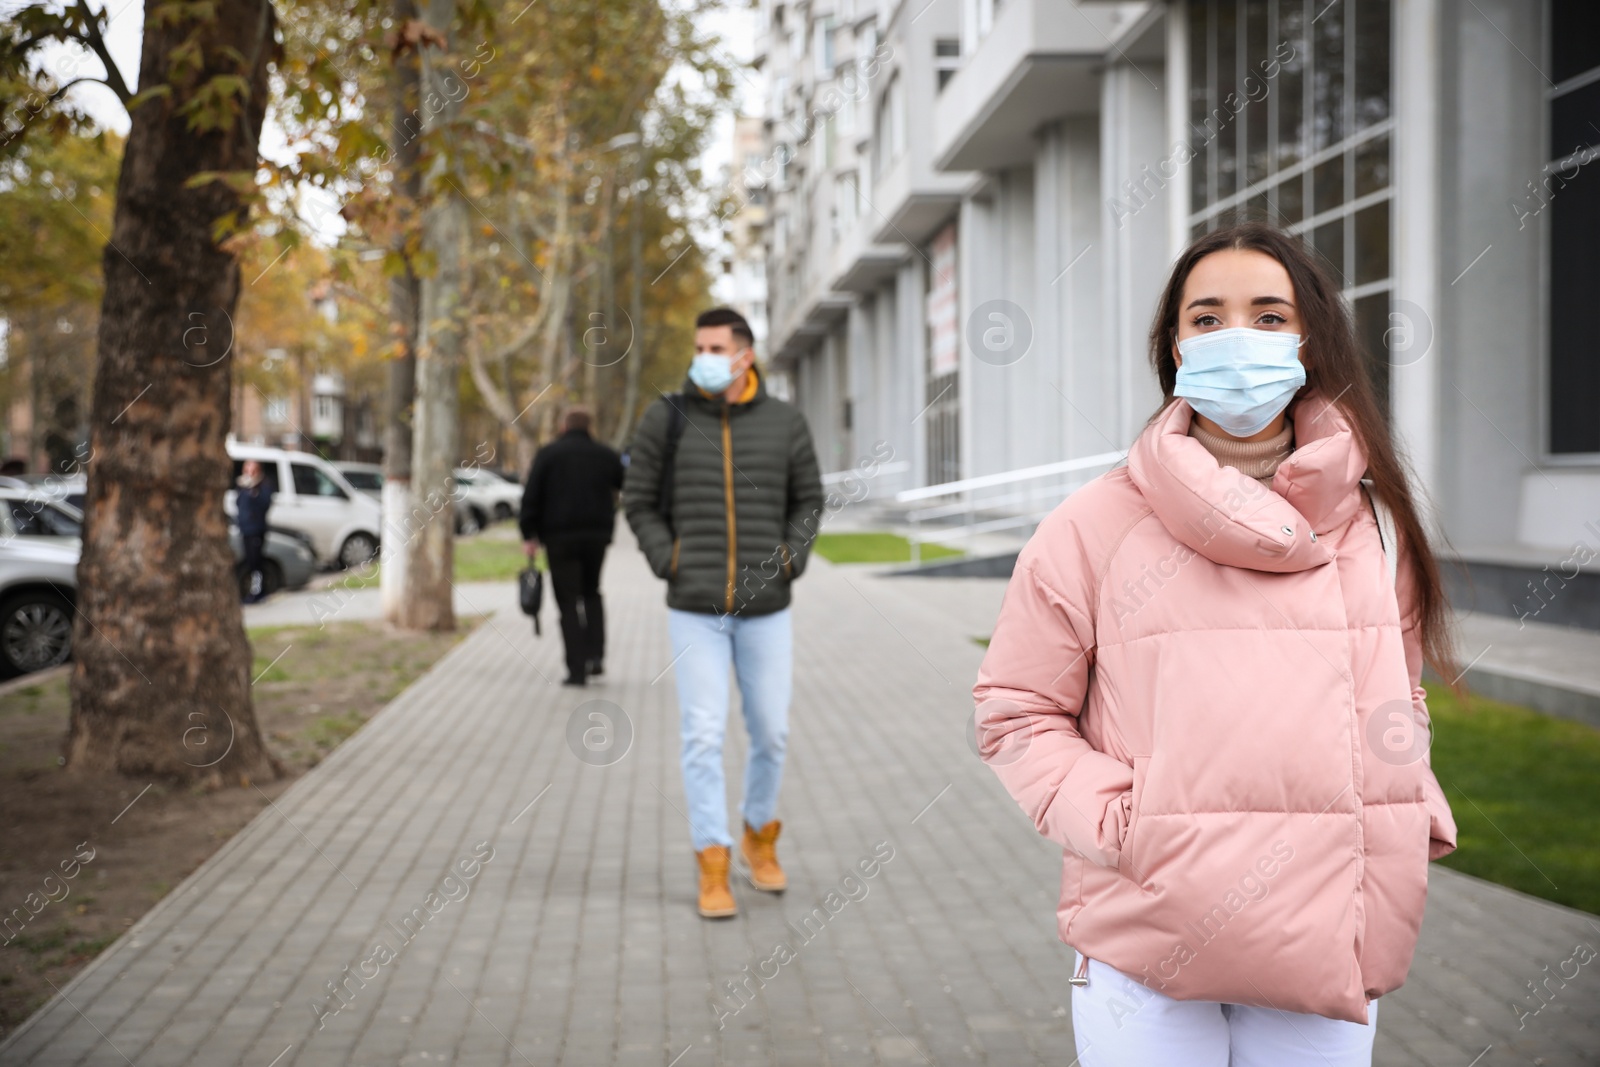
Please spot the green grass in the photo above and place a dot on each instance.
(488, 559)
(478, 559)
(1525, 789)
(874, 548)
(329, 730)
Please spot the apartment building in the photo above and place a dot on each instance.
(974, 204)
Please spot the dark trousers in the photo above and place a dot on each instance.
(575, 579)
(252, 563)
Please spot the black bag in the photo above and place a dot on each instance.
(677, 419)
(530, 589)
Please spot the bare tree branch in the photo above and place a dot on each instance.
(97, 44)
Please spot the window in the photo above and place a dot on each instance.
(1570, 187)
(844, 204)
(946, 59)
(1290, 121)
(309, 481)
(269, 472)
(34, 518)
(889, 135)
(822, 46)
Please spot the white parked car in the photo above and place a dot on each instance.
(491, 494)
(368, 477)
(313, 498)
(38, 587)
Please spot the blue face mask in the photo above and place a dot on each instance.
(711, 371)
(1240, 378)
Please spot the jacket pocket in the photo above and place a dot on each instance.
(672, 564)
(1128, 859)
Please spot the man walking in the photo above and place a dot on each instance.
(251, 500)
(724, 496)
(570, 504)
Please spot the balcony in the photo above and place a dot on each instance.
(1039, 63)
(908, 210)
(860, 264)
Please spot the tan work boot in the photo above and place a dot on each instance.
(760, 851)
(716, 899)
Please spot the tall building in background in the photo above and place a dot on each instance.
(974, 205)
(742, 281)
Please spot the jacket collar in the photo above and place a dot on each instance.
(1230, 518)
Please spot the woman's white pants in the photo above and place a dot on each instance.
(1120, 1023)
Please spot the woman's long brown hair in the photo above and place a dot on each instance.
(1337, 369)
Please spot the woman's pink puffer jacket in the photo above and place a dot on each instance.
(1209, 694)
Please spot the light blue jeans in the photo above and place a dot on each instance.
(760, 649)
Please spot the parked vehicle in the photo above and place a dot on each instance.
(38, 589)
(368, 477)
(313, 498)
(29, 514)
(491, 494)
(71, 488)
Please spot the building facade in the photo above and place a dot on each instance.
(974, 206)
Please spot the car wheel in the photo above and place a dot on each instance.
(502, 511)
(35, 632)
(358, 548)
(467, 522)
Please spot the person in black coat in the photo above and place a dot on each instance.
(569, 504)
(251, 500)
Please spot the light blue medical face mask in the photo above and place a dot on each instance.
(1240, 378)
(712, 371)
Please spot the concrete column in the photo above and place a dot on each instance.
(1417, 84)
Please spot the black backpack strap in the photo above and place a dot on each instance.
(677, 419)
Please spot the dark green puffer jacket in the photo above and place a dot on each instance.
(745, 507)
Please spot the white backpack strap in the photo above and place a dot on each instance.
(1386, 529)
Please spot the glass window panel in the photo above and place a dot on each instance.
(1372, 63)
(1199, 188)
(1372, 328)
(1574, 118)
(1328, 185)
(1199, 102)
(1328, 240)
(1372, 244)
(1372, 166)
(1327, 79)
(1574, 37)
(1574, 266)
(1289, 90)
(1225, 82)
(1253, 88)
(1259, 208)
(1290, 199)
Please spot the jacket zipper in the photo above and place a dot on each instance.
(727, 494)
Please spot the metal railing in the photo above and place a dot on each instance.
(994, 503)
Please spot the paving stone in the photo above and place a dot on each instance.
(577, 942)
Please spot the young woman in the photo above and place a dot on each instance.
(1204, 684)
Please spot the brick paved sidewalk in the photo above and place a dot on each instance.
(561, 926)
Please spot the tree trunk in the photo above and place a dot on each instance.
(404, 301)
(161, 678)
(429, 596)
(636, 351)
